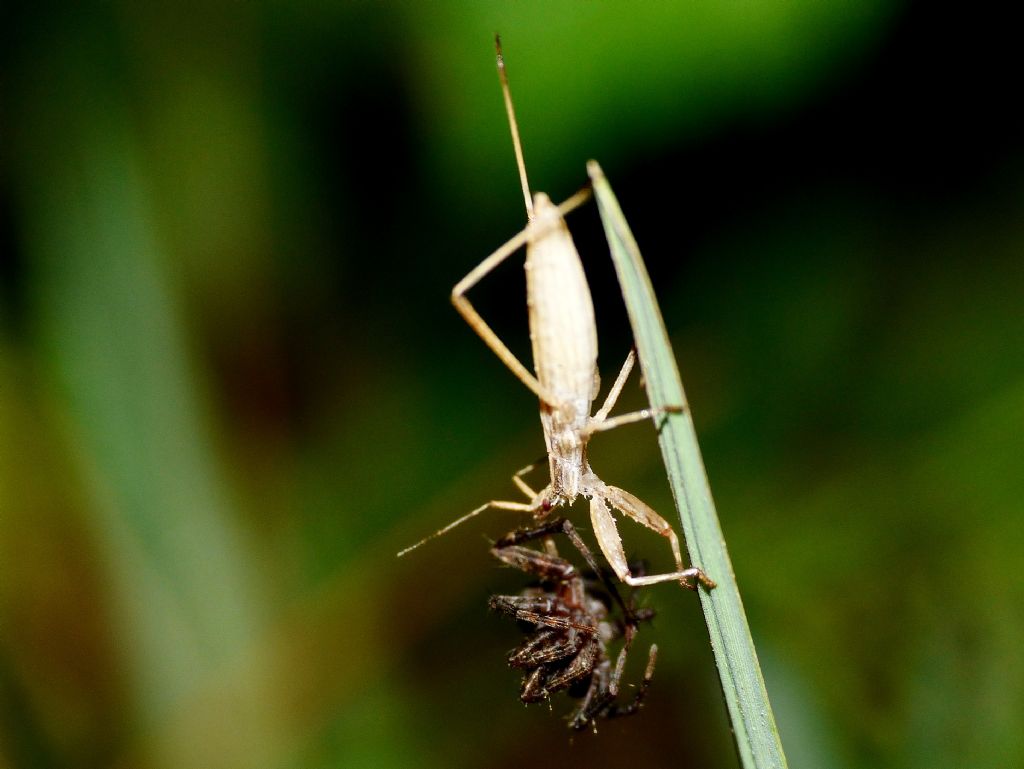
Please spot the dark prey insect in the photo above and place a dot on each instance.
(572, 627)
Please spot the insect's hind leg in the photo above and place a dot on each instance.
(479, 325)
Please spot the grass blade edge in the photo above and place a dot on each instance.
(750, 713)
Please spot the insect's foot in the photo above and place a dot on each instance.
(693, 573)
(705, 580)
(695, 586)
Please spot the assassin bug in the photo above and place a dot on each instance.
(564, 340)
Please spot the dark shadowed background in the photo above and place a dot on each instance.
(232, 385)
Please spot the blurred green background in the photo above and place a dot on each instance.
(232, 385)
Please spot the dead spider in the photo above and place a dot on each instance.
(568, 647)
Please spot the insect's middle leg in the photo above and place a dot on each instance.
(601, 421)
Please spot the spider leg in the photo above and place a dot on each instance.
(609, 585)
(600, 701)
(544, 565)
(580, 665)
(620, 663)
(520, 536)
(538, 610)
(594, 700)
(533, 689)
(565, 526)
(546, 646)
(604, 689)
(616, 710)
(567, 649)
(542, 682)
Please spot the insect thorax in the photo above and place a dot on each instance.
(567, 458)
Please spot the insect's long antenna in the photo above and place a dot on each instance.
(514, 127)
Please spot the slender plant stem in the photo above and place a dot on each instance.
(753, 724)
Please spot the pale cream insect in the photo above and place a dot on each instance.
(564, 339)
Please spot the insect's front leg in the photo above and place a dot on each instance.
(606, 497)
(517, 479)
(495, 504)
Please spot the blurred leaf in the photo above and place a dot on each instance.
(187, 596)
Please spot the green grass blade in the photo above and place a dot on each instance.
(757, 738)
